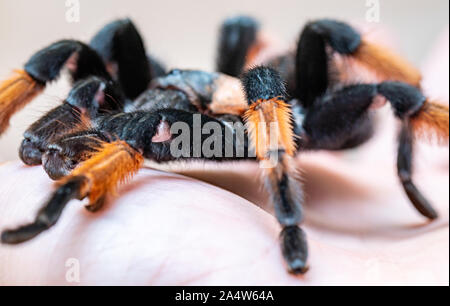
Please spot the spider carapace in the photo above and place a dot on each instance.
(123, 105)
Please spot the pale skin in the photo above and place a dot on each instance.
(170, 229)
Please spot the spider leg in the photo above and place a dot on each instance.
(341, 118)
(118, 45)
(88, 98)
(43, 67)
(270, 126)
(238, 42)
(323, 128)
(405, 169)
(114, 163)
(122, 48)
(47, 215)
(310, 71)
(338, 120)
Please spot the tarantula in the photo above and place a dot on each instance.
(123, 105)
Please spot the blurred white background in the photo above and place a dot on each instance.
(183, 33)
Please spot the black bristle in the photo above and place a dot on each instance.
(263, 83)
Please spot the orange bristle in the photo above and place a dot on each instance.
(432, 123)
(16, 93)
(113, 164)
(260, 117)
(387, 64)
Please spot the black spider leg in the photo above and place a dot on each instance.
(95, 179)
(236, 38)
(313, 71)
(46, 217)
(88, 98)
(405, 169)
(336, 126)
(341, 120)
(157, 68)
(45, 66)
(122, 48)
(338, 120)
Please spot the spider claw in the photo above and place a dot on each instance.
(405, 171)
(238, 38)
(48, 215)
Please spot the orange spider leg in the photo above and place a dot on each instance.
(15, 93)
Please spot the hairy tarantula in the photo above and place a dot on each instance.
(123, 105)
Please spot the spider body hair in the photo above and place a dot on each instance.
(15, 94)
